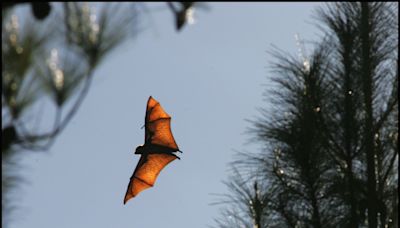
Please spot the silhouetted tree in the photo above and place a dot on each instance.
(247, 201)
(294, 175)
(334, 121)
(364, 43)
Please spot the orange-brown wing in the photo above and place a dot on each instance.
(146, 173)
(158, 126)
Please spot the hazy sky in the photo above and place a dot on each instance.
(209, 77)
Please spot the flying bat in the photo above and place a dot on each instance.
(157, 151)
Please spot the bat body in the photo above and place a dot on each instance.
(157, 151)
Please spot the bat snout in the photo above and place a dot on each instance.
(139, 150)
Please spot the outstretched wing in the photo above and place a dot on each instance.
(158, 126)
(146, 172)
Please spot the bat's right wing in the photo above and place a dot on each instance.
(158, 126)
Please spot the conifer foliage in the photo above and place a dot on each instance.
(330, 156)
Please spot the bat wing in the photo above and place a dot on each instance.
(146, 172)
(158, 126)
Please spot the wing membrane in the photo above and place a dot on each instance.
(146, 173)
(158, 126)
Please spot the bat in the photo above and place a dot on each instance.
(157, 151)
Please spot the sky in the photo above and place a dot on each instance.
(210, 77)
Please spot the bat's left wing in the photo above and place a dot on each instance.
(146, 172)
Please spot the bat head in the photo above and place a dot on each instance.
(140, 150)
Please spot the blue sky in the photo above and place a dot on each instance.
(209, 77)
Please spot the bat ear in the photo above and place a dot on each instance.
(139, 150)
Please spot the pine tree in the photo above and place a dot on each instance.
(364, 43)
(50, 58)
(330, 140)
